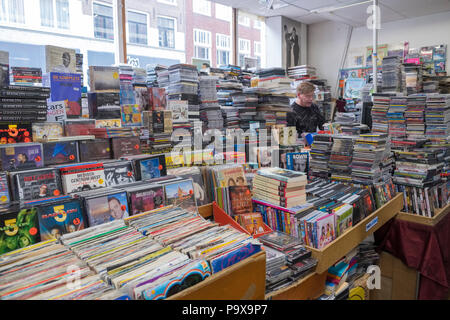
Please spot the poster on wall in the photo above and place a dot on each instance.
(353, 87)
(294, 47)
(382, 51)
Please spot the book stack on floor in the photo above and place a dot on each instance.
(396, 117)
(415, 118)
(210, 112)
(19, 104)
(437, 116)
(281, 187)
(320, 155)
(287, 260)
(277, 105)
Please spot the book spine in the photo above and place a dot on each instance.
(19, 112)
(23, 118)
(427, 202)
(422, 203)
(22, 106)
(416, 200)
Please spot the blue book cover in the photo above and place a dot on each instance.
(297, 161)
(67, 86)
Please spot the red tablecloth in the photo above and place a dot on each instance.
(423, 248)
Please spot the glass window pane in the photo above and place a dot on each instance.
(62, 14)
(103, 22)
(16, 11)
(46, 13)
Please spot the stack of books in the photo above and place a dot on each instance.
(210, 112)
(341, 158)
(301, 72)
(282, 187)
(320, 155)
(393, 75)
(381, 104)
(19, 104)
(437, 116)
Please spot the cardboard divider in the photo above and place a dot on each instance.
(223, 218)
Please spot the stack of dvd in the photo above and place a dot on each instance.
(210, 112)
(152, 75)
(437, 116)
(163, 78)
(413, 78)
(297, 260)
(381, 103)
(414, 115)
(393, 74)
(23, 104)
(126, 84)
(139, 76)
(396, 117)
(183, 78)
(369, 152)
(320, 155)
(341, 158)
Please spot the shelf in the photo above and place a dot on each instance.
(334, 251)
(245, 280)
(440, 214)
(308, 288)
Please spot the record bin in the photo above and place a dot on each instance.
(439, 215)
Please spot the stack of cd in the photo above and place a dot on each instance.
(393, 74)
(320, 155)
(210, 112)
(414, 115)
(162, 77)
(413, 78)
(139, 76)
(23, 104)
(183, 78)
(152, 74)
(341, 158)
(369, 151)
(126, 74)
(396, 117)
(437, 116)
(381, 104)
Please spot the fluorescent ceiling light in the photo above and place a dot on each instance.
(334, 8)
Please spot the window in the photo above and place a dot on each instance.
(62, 14)
(171, 2)
(257, 49)
(103, 22)
(244, 50)
(166, 29)
(12, 9)
(223, 45)
(243, 20)
(223, 12)
(137, 27)
(202, 7)
(257, 24)
(202, 44)
(46, 13)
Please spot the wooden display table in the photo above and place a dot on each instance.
(440, 214)
(309, 288)
(352, 237)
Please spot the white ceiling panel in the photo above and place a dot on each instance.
(300, 10)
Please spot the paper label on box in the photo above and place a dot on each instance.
(371, 224)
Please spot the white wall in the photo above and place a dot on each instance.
(274, 42)
(326, 41)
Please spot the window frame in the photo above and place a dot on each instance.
(202, 45)
(112, 18)
(174, 30)
(197, 9)
(169, 2)
(7, 13)
(147, 23)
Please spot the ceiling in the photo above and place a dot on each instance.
(355, 15)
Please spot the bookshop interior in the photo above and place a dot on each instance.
(307, 158)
